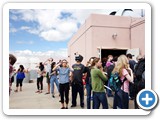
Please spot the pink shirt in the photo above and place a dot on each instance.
(126, 83)
(108, 64)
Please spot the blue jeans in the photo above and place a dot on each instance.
(121, 100)
(109, 92)
(88, 88)
(53, 80)
(100, 97)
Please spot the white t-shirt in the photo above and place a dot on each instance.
(48, 68)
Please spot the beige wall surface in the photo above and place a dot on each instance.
(138, 35)
(98, 30)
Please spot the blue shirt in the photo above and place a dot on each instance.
(20, 75)
(63, 75)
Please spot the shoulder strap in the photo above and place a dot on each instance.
(123, 83)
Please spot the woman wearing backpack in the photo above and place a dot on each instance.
(121, 98)
(98, 79)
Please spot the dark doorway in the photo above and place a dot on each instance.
(114, 52)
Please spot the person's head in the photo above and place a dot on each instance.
(129, 56)
(97, 63)
(114, 60)
(89, 63)
(139, 57)
(78, 58)
(110, 57)
(53, 65)
(21, 68)
(51, 59)
(104, 60)
(64, 63)
(122, 62)
(41, 66)
(12, 59)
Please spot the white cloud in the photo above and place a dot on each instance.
(27, 56)
(14, 17)
(13, 30)
(25, 42)
(25, 28)
(50, 25)
(30, 29)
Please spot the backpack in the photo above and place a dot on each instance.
(109, 70)
(139, 69)
(115, 82)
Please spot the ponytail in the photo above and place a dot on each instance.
(95, 60)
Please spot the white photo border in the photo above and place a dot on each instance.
(9, 6)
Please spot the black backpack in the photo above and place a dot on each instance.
(139, 69)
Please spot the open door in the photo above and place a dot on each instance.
(99, 52)
(134, 52)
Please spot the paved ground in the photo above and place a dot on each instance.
(28, 99)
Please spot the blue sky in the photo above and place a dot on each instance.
(21, 39)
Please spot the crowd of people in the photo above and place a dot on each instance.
(96, 75)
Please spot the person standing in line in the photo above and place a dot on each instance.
(77, 84)
(109, 59)
(64, 74)
(48, 70)
(98, 78)
(40, 73)
(121, 98)
(88, 82)
(132, 64)
(19, 78)
(109, 66)
(12, 60)
(53, 79)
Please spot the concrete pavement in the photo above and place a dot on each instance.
(28, 99)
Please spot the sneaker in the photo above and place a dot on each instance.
(37, 91)
(82, 106)
(16, 91)
(73, 105)
(40, 91)
(47, 93)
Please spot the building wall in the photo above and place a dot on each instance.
(138, 35)
(102, 37)
(97, 33)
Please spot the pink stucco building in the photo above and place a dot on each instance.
(102, 35)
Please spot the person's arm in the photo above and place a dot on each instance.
(45, 63)
(129, 77)
(71, 76)
(102, 75)
(25, 70)
(56, 66)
